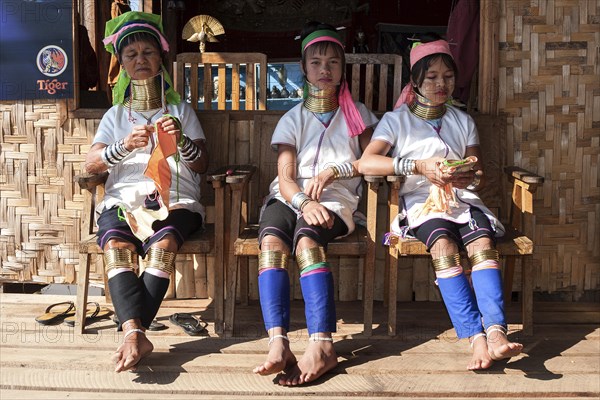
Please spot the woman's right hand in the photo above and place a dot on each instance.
(139, 137)
(317, 215)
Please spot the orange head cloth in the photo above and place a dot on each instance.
(158, 168)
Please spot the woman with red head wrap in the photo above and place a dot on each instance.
(436, 147)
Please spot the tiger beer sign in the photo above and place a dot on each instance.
(36, 49)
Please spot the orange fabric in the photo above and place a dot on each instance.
(158, 168)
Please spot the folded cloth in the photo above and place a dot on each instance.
(443, 198)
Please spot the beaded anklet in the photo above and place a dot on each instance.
(271, 339)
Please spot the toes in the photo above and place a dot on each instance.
(116, 357)
(262, 369)
(119, 366)
(306, 378)
(131, 360)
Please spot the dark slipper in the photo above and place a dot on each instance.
(93, 312)
(154, 325)
(56, 312)
(191, 324)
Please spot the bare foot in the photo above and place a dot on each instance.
(481, 357)
(319, 357)
(499, 347)
(135, 347)
(280, 357)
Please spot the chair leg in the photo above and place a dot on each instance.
(509, 273)
(230, 289)
(527, 296)
(244, 276)
(83, 280)
(392, 275)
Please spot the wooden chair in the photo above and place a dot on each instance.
(244, 242)
(364, 72)
(513, 245)
(186, 79)
(209, 240)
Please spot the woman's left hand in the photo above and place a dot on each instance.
(462, 179)
(170, 126)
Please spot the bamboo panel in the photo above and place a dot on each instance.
(40, 204)
(553, 117)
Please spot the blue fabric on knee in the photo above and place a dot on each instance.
(460, 303)
(319, 305)
(274, 292)
(488, 292)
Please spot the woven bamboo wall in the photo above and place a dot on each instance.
(39, 202)
(549, 86)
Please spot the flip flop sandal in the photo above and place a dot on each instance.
(191, 324)
(154, 325)
(56, 312)
(93, 313)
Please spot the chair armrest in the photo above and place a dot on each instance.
(89, 181)
(373, 178)
(395, 179)
(523, 175)
(232, 174)
(524, 184)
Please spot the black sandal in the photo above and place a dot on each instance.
(93, 313)
(56, 312)
(154, 325)
(191, 324)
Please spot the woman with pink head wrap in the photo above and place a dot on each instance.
(436, 147)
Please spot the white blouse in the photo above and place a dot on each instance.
(317, 148)
(414, 138)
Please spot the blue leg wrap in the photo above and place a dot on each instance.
(488, 291)
(460, 303)
(274, 291)
(319, 306)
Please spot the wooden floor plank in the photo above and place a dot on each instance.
(359, 364)
(175, 383)
(561, 361)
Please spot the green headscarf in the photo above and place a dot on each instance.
(124, 25)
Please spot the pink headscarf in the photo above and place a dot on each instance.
(418, 52)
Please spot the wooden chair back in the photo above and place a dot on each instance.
(370, 76)
(227, 70)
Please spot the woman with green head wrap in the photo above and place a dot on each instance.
(153, 146)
